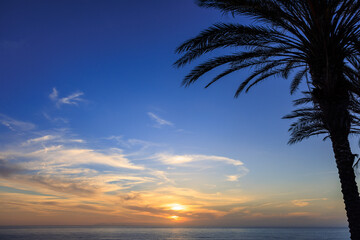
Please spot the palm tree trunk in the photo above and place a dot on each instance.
(333, 97)
(344, 161)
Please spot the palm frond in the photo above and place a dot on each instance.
(296, 80)
(231, 35)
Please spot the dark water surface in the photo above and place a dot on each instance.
(122, 233)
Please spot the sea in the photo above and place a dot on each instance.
(137, 233)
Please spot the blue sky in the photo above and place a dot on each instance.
(91, 108)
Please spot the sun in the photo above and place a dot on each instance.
(177, 207)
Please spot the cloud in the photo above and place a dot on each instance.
(7, 169)
(159, 121)
(52, 138)
(161, 175)
(232, 178)
(181, 159)
(306, 202)
(15, 125)
(70, 156)
(41, 139)
(188, 168)
(63, 185)
(131, 196)
(300, 203)
(130, 143)
(40, 159)
(72, 99)
(152, 210)
(55, 119)
(54, 95)
(19, 174)
(50, 184)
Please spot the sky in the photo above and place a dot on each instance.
(96, 129)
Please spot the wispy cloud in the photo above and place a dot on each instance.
(181, 159)
(40, 139)
(306, 202)
(55, 119)
(204, 164)
(232, 178)
(159, 122)
(59, 155)
(63, 185)
(42, 165)
(133, 142)
(58, 138)
(72, 99)
(15, 125)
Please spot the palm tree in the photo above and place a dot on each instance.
(308, 119)
(319, 38)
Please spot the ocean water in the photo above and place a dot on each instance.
(122, 233)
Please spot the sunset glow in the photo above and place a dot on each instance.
(95, 128)
(175, 218)
(177, 207)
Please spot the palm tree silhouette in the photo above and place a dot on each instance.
(308, 119)
(297, 38)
